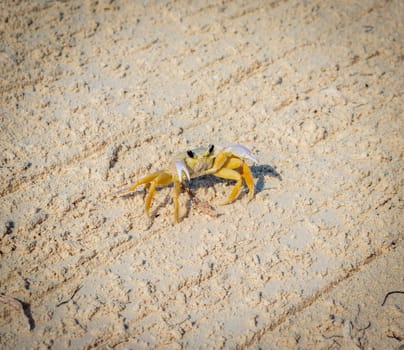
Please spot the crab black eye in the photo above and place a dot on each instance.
(190, 154)
(211, 148)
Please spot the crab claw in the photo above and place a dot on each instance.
(242, 152)
(181, 167)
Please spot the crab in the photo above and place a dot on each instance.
(227, 163)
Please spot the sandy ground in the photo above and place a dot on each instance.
(97, 94)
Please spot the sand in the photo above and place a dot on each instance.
(96, 94)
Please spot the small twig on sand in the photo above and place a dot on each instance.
(71, 297)
(390, 293)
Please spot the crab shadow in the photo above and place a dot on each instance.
(259, 172)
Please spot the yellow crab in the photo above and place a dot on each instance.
(226, 163)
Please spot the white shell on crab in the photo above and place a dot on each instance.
(242, 152)
(181, 167)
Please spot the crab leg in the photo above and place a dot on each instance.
(230, 174)
(220, 161)
(229, 155)
(237, 169)
(249, 180)
(143, 181)
(162, 179)
(177, 189)
(149, 197)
